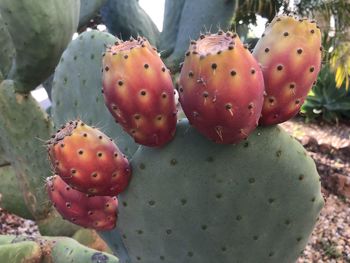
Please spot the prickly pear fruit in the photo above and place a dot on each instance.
(98, 212)
(290, 56)
(88, 160)
(138, 92)
(221, 88)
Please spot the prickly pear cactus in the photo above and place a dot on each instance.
(77, 85)
(196, 201)
(39, 31)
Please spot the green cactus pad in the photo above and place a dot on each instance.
(54, 225)
(88, 9)
(11, 195)
(77, 84)
(68, 250)
(196, 16)
(126, 19)
(171, 24)
(49, 249)
(40, 31)
(27, 251)
(23, 129)
(3, 159)
(89, 238)
(196, 201)
(7, 51)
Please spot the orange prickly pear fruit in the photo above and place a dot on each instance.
(98, 212)
(88, 161)
(221, 88)
(290, 57)
(139, 93)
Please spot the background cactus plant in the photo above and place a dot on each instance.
(126, 19)
(189, 19)
(7, 50)
(88, 9)
(45, 30)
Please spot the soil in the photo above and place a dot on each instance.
(329, 146)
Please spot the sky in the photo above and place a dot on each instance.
(155, 9)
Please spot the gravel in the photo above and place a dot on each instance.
(13, 225)
(330, 240)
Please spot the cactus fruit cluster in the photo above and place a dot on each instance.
(213, 188)
(90, 172)
(192, 197)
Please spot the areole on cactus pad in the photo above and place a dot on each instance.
(221, 88)
(88, 160)
(290, 56)
(98, 212)
(138, 91)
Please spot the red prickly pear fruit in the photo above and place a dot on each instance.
(97, 212)
(290, 57)
(139, 93)
(89, 161)
(221, 88)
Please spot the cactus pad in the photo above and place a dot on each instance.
(40, 31)
(126, 19)
(23, 129)
(88, 9)
(24, 249)
(253, 202)
(7, 51)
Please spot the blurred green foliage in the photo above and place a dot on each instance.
(325, 101)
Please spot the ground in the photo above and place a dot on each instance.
(329, 146)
